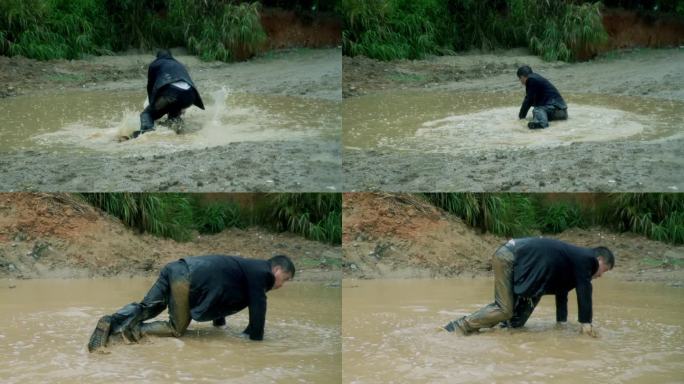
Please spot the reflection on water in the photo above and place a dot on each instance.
(447, 122)
(96, 120)
(46, 325)
(390, 335)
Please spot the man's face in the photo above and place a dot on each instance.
(603, 268)
(523, 80)
(281, 277)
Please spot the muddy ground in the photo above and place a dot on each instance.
(623, 165)
(58, 236)
(311, 164)
(401, 236)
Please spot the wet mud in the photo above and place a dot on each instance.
(450, 123)
(390, 334)
(47, 323)
(271, 124)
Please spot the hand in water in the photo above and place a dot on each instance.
(588, 329)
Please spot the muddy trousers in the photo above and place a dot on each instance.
(543, 114)
(502, 307)
(172, 290)
(169, 100)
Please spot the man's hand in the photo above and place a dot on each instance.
(588, 329)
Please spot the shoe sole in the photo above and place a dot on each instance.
(100, 335)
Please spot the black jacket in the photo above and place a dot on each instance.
(551, 267)
(164, 71)
(223, 285)
(540, 92)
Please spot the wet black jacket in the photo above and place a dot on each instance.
(540, 92)
(164, 71)
(551, 267)
(223, 285)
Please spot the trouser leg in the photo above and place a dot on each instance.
(128, 319)
(524, 306)
(179, 309)
(558, 114)
(540, 117)
(502, 307)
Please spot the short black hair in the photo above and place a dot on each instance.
(163, 53)
(525, 70)
(283, 262)
(606, 254)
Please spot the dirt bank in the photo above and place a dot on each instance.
(57, 236)
(308, 164)
(617, 165)
(401, 236)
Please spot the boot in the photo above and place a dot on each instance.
(98, 339)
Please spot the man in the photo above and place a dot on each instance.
(201, 288)
(169, 91)
(525, 269)
(543, 96)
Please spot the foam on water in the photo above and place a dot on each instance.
(641, 331)
(445, 122)
(97, 121)
(46, 325)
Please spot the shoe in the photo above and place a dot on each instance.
(100, 335)
(535, 125)
(140, 132)
(454, 326)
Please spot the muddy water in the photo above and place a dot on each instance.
(448, 121)
(46, 325)
(93, 121)
(389, 335)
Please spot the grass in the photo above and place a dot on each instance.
(658, 216)
(213, 29)
(315, 216)
(403, 29)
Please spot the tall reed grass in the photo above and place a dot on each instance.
(315, 216)
(394, 29)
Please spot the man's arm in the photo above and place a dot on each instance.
(584, 303)
(151, 77)
(562, 307)
(257, 311)
(527, 103)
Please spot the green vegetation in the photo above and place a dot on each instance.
(315, 216)
(394, 29)
(166, 215)
(213, 29)
(658, 216)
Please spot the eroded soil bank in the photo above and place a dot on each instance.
(57, 236)
(401, 236)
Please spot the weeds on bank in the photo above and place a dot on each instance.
(395, 29)
(315, 216)
(658, 216)
(52, 29)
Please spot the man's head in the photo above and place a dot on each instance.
(163, 53)
(523, 73)
(606, 261)
(283, 270)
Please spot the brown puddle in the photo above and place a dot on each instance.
(390, 335)
(46, 325)
(96, 120)
(446, 122)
